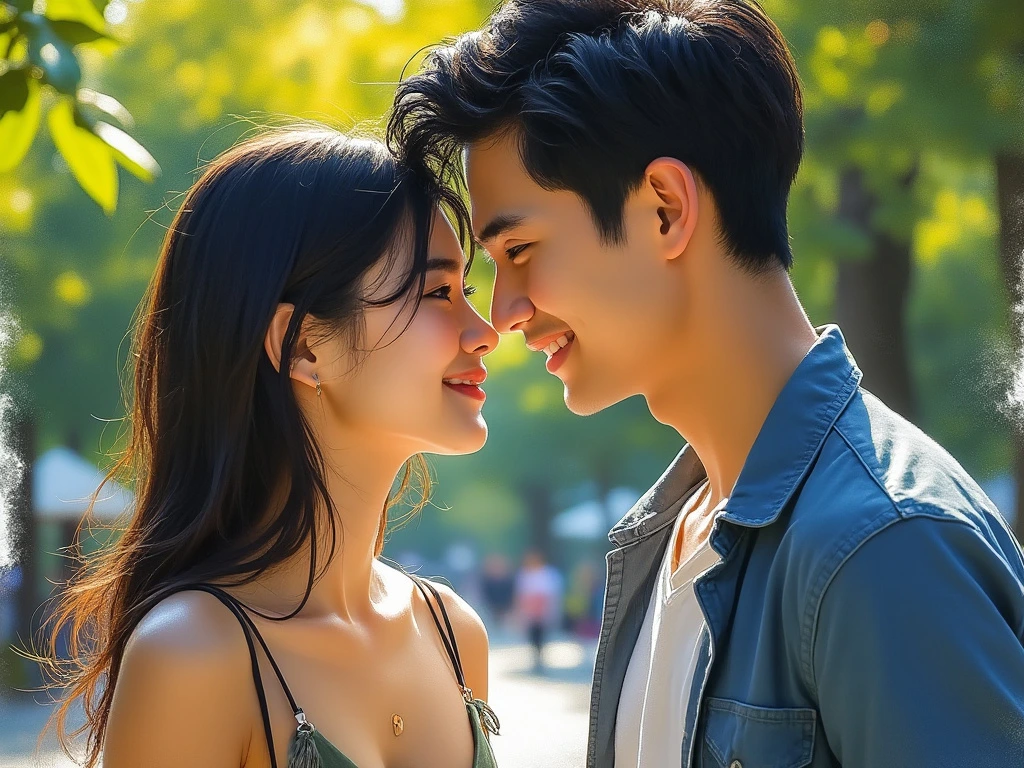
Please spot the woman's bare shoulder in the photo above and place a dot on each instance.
(190, 623)
(176, 699)
(465, 620)
(471, 636)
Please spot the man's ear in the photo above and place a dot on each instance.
(303, 362)
(674, 184)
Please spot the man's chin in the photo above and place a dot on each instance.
(584, 401)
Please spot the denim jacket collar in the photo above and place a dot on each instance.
(790, 437)
(659, 506)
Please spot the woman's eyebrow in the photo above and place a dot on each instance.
(441, 264)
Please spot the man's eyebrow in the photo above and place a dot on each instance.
(499, 225)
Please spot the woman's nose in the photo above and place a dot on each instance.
(479, 338)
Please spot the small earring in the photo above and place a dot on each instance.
(317, 380)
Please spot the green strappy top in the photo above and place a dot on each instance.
(308, 747)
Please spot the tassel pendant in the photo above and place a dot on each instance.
(488, 719)
(302, 752)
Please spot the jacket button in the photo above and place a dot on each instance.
(735, 764)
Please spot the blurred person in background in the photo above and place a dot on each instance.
(538, 601)
(497, 586)
(581, 598)
(813, 581)
(305, 337)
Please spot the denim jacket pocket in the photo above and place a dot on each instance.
(742, 736)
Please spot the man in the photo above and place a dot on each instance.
(813, 582)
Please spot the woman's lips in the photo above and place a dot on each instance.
(469, 390)
(468, 383)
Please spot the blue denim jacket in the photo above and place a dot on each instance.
(868, 609)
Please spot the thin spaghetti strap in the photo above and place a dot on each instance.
(445, 640)
(239, 610)
(488, 720)
(447, 622)
(447, 637)
(261, 694)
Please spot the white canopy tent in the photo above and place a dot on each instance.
(592, 519)
(63, 484)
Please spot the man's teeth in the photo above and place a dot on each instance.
(559, 343)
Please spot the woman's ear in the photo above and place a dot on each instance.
(303, 362)
(676, 189)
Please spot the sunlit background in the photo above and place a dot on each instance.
(906, 223)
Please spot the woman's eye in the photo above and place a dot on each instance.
(444, 292)
(516, 250)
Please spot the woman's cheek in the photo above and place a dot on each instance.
(433, 339)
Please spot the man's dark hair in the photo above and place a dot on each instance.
(594, 90)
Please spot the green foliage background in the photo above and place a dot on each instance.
(935, 85)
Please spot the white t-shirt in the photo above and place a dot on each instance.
(652, 706)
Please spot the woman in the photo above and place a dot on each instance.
(307, 333)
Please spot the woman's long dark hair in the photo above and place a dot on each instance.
(297, 216)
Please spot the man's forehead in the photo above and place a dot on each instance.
(500, 189)
(486, 157)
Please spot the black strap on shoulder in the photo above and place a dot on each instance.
(446, 632)
(249, 630)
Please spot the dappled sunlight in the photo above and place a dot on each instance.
(84, 209)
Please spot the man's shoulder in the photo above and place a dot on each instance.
(913, 471)
(882, 499)
(875, 470)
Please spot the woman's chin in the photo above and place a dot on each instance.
(466, 441)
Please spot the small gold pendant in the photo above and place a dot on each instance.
(398, 724)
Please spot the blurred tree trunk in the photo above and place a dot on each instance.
(871, 299)
(540, 510)
(1010, 194)
(23, 530)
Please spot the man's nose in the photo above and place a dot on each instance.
(510, 306)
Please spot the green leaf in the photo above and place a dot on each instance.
(77, 33)
(128, 151)
(18, 129)
(7, 44)
(106, 104)
(76, 10)
(56, 60)
(89, 158)
(13, 91)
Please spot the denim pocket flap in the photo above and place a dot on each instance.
(759, 737)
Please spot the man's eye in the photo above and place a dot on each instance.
(516, 250)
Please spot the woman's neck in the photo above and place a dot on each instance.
(349, 585)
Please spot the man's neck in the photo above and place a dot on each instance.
(725, 376)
